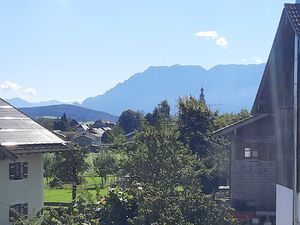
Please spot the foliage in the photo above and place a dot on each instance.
(119, 208)
(48, 163)
(110, 136)
(160, 112)
(162, 187)
(70, 165)
(195, 122)
(35, 220)
(227, 119)
(62, 124)
(163, 178)
(105, 163)
(130, 120)
(115, 209)
(167, 168)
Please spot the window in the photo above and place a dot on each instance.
(247, 152)
(18, 170)
(250, 153)
(18, 210)
(264, 151)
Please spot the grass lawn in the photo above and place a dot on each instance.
(58, 195)
(64, 194)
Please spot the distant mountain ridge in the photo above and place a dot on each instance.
(78, 113)
(228, 88)
(19, 103)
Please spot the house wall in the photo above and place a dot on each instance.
(253, 185)
(82, 140)
(253, 180)
(29, 190)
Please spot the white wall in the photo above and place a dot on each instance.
(29, 190)
(284, 205)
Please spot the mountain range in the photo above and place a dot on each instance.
(228, 88)
(75, 112)
(19, 103)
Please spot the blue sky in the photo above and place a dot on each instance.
(72, 49)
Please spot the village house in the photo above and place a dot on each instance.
(91, 139)
(82, 128)
(87, 139)
(22, 144)
(263, 147)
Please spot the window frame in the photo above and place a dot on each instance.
(17, 210)
(17, 170)
(251, 153)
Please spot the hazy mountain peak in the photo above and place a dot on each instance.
(227, 87)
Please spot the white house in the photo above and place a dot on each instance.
(22, 143)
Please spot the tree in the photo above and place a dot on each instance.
(111, 136)
(162, 187)
(120, 208)
(164, 110)
(62, 124)
(164, 180)
(160, 112)
(108, 137)
(69, 167)
(195, 122)
(104, 163)
(48, 163)
(227, 119)
(130, 120)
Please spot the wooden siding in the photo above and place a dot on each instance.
(253, 185)
(253, 179)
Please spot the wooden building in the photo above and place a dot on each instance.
(264, 146)
(22, 143)
(253, 163)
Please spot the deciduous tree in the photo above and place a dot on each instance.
(130, 120)
(195, 122)
(69, 167)
(104, 163)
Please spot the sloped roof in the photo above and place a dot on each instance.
(293, 11)
(18, 131)
(278, 72)
(83, 126)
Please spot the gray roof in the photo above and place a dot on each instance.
(17, 129)
(278, 73)
(293, 11)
